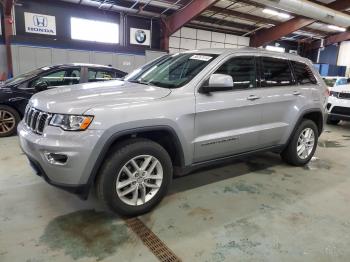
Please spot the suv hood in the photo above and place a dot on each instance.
(77, 99)
(341, 88)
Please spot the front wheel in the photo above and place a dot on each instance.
(302, 145)
(135, 177)
(9, 119)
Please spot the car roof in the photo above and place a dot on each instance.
(85, 64)
(227, 51)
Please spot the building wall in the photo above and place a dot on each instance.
(26, 58)
(63, 12)
(3, 63)
(329, 55)
(188, 38)
(31, 50)
(344, 56)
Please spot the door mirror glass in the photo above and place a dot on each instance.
(218, 82)
(41, 86)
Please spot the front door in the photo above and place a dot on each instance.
(227, 122)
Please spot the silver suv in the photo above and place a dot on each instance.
(129, 138)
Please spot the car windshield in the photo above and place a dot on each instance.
(341, 81)
(25, 76)
(173, 71)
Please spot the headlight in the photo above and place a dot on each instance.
(333, 93)
(71, 122)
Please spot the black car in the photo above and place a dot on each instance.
(16, 92)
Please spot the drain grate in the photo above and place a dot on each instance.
(157, 247)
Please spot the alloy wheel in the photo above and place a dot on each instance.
(7, 121)
(306, 143)
(139, 180)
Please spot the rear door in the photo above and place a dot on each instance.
(279, 97)
(227, 122)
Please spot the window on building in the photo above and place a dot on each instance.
(275, 72)
(303, 74)
(96, 31)
(242, 70)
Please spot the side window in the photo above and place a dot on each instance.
(96, 75)
(120, 74)
(62, 77)
(303, 74)
(275, 72)
(75, 76)
(243, 71)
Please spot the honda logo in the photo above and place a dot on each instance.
(40, 24)
(40, 21)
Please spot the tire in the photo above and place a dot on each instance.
(332, 121)
(112, 173)
(290, 154)
(8, 128)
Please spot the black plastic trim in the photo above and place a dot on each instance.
(222, 160)
(308, 111)
(117, 135)
(81, 190)
(338, 117)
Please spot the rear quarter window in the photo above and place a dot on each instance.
(303, 74)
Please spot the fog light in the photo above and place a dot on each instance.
(56, 159)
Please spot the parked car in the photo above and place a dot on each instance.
(338, 106)
(128, 138)
(333, 81)
(16, 92)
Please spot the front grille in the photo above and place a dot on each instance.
(341, 110)
(36, 120)
(344, 95)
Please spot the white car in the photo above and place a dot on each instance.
(338, 106)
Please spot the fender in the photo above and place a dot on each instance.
(300, 119)
(117, 135)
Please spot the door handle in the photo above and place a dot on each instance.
(253, 97)
(296, 93)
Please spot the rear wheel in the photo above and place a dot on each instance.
(135, 177)
(302, 145)
(332, 121)
(9, 119)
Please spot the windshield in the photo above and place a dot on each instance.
(25, 76)
(173, 71)
(341, 81)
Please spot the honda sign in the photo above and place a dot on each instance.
(40, 24)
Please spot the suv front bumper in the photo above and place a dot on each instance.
(338, 109)
(72, 175)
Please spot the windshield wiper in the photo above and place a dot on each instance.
(139, 82)
(164, 85)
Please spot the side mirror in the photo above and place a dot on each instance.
(41, 86)
(217, 82)
(348, 80)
